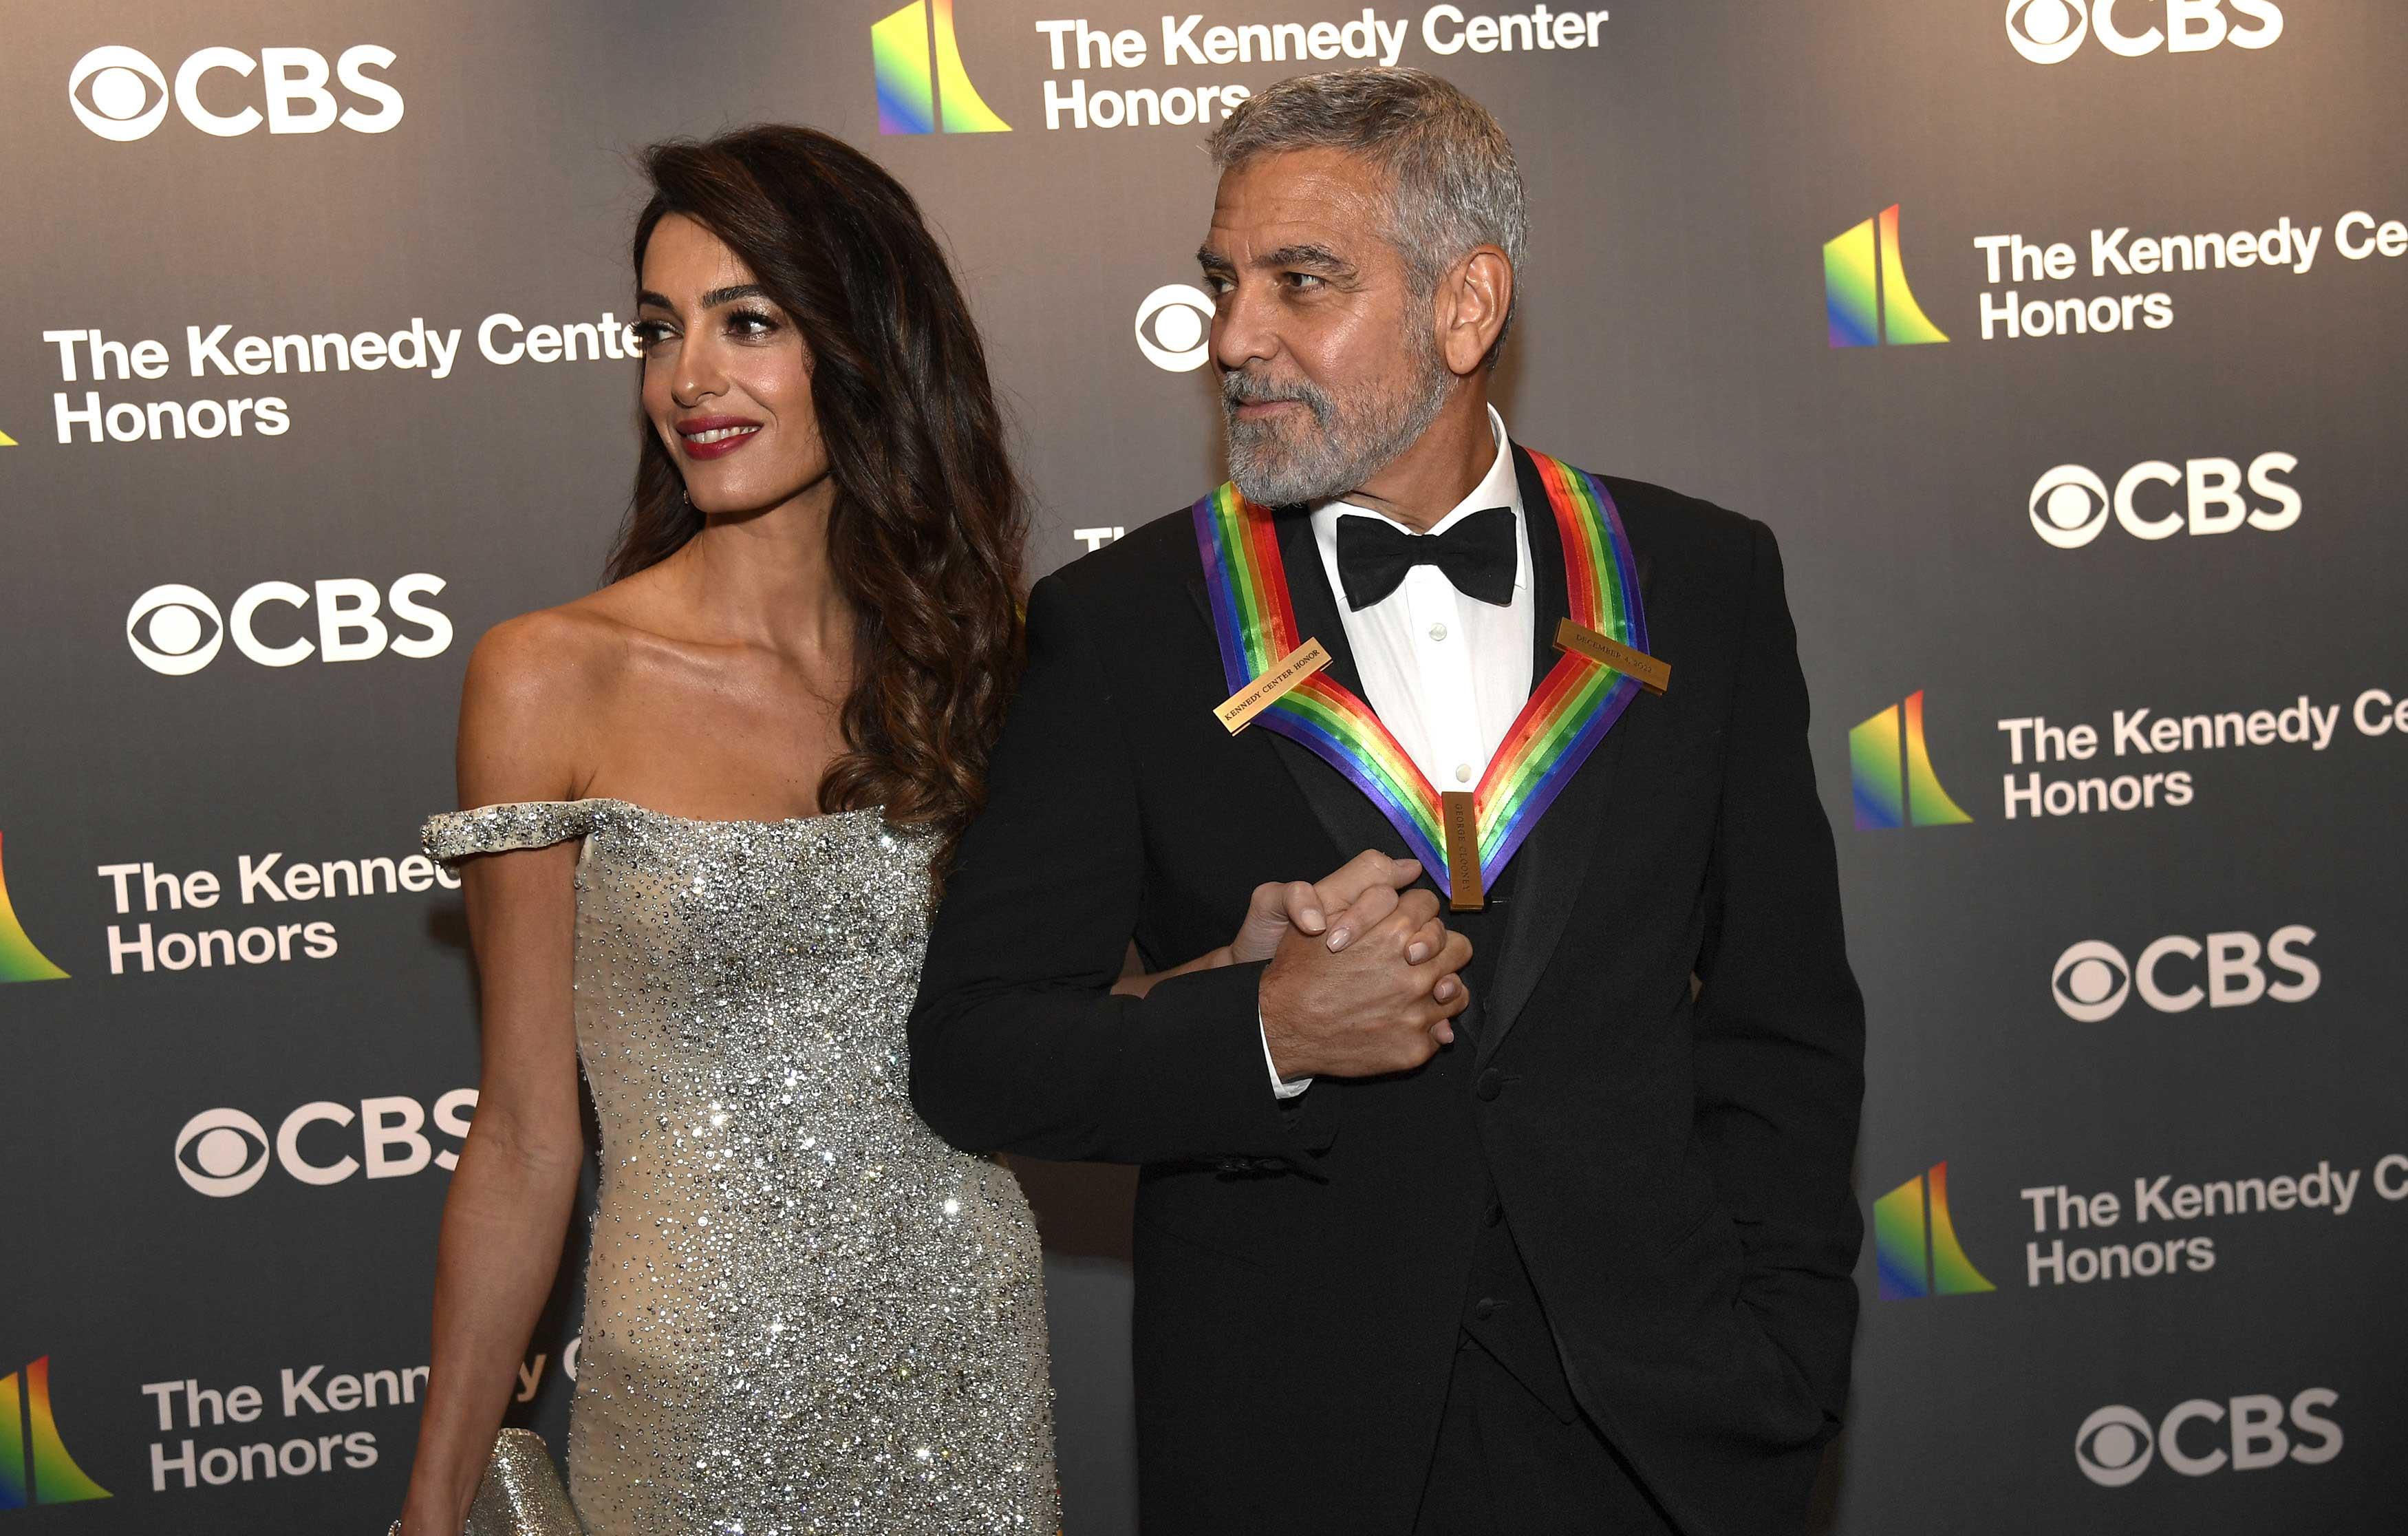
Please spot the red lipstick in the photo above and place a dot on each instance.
(715, 437)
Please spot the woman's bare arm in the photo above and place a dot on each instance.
(523, 710)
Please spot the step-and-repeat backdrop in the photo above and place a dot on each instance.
(2059, 341)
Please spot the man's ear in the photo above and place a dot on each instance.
(1473, 299)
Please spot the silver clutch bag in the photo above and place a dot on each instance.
(522, 1493)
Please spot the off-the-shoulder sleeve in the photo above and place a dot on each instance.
(457, 835)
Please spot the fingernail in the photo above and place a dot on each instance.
(1445, 989)
(1416, 954)
(1312, 919)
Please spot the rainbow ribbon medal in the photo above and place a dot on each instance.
(1568, 714)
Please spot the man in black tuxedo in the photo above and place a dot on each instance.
(1574, 1257)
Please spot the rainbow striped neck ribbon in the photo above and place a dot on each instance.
(1568, 714)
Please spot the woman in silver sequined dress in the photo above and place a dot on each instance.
(713, 796)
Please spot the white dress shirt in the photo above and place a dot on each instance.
(1447, 674)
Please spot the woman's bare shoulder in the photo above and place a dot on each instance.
(575, 652)
(549, 659)
(538, 689)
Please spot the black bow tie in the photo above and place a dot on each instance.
(1478, 554)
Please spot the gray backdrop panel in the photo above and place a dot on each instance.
(1684, 174)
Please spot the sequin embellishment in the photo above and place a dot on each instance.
(804, 1312)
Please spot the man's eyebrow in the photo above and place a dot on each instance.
(1307, 257)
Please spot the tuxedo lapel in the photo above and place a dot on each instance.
(1548, 871)
(1550, 600)
(1553, 864)
(1316, 605)
(1352, 821)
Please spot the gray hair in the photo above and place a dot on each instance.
(1451, 172)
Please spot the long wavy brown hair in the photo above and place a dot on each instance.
(928, 522)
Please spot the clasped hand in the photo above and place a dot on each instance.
(1363, 976)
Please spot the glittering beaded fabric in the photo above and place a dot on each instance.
(520, 1495)
(804, 1312)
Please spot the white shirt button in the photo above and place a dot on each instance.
(1438, 632)
(1463, 773)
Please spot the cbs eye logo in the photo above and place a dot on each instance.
(2114, 1447)
(1180, 318)
(2090, 983)
(221, 1152)
(175, 629)
(122, 106)
(2047, 31)
(2069, 506)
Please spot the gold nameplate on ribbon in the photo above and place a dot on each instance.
(1264, 691)
(1638, 665)
(1462, 826)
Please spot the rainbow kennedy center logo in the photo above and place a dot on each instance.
(1895, 785)
(1914, 1243)
(48, 1475)
(922, 86)
(1865, 295)
(20, 961)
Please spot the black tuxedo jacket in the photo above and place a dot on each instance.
(1659, 1075)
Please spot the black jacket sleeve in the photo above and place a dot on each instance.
(1780, 1024)
(1017, 1043)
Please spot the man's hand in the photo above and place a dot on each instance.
(1352, 900)
(1367, 1008)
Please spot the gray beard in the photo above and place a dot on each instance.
(1348, 443)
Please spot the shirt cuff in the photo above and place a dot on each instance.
(1281, 1087)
